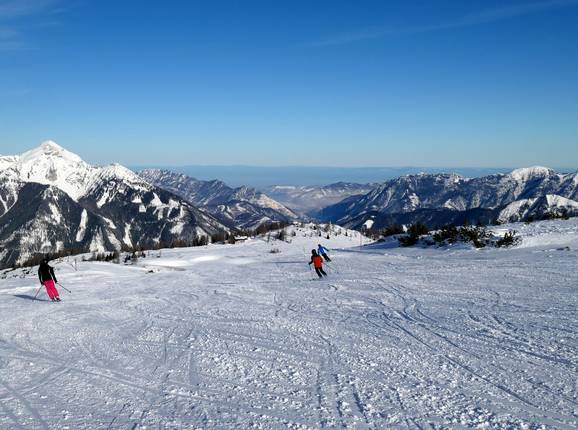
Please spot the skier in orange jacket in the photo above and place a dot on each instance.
(317, 262)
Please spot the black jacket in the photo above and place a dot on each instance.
(46, 273)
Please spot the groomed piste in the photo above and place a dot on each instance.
(245, 336)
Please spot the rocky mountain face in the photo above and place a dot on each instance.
(439, 198)
(242, 207)
(51, 200)
(309, 200)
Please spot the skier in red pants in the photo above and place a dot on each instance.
(48, 278)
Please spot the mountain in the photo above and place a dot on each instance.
(310, 199)
(548, 206)
(242, 207)
(51, 200)
(442, 197)
(44, 219)
(263, 177)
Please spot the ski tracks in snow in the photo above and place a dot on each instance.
(389, 340)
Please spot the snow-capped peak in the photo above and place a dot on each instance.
(7, 160)
(118, 172)
(49, 150)
(527, 173)
(51, 164)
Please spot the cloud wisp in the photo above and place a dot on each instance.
(479, 18)
(13, 20)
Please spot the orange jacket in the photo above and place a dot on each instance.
(317, 261)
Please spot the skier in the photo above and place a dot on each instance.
(48, 278)
(321, 250)
(317, 262)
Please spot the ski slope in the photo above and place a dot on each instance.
(234, 336)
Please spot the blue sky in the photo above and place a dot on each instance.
(317, 82)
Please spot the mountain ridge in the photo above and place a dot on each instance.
(244, 207)
(448, 191)
(87, 208)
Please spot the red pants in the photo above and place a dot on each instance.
(51, 289)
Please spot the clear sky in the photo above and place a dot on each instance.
(315, 82)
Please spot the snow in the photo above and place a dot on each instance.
(113, 240)
(545, 236)
(520, 208)
(50, 164)
(234, 336)
(156, 201)
(413, 200)
(177, 228)
(104, 198)
(82, 226)
(526, 173)
(559, 201)
(265, 201)
(7, 160)
(515, 208)
(108, 221)
(56, 216)
(97, 243)
(126, 237)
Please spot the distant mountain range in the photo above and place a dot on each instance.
(308, 200)
(242, 207)
(51, 200)
(264, 177)
(436, 199)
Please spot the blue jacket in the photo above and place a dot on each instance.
(322, 250)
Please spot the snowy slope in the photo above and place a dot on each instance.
(7, 160)
(239, 337)
(545, 206)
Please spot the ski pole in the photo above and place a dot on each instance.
(63, 287)
(332, 267)
(37, 291)
(310, 269)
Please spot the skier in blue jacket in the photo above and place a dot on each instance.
(321, 250)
